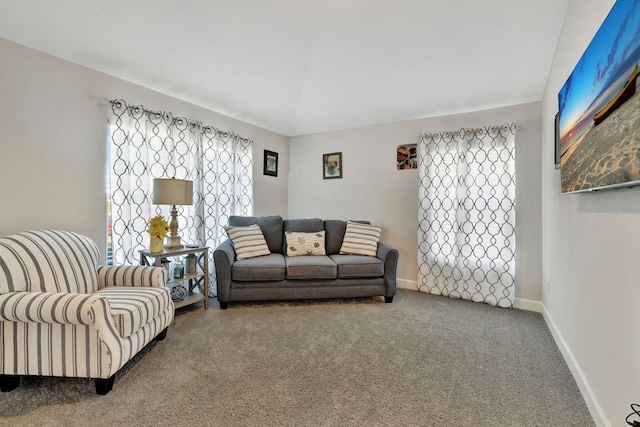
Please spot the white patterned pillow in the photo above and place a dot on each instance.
(361, 239)
(299, 244)
(248, 242)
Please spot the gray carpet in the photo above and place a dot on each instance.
(422, 361)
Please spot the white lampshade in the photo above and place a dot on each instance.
(171, 191)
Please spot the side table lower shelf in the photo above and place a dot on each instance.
(190, 283)
(190, 298)
(198, 280)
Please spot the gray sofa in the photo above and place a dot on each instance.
(279, 277)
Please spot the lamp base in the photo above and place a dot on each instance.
(173, 242)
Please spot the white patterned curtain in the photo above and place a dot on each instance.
(144, 145)
(466, 218)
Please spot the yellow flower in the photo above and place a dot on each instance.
(158, 227)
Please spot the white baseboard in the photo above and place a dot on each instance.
(412, 285)
(521, 303)
(528, 304)
(595, 409)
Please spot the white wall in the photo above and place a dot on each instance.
(590, 263)
(52, 143)
(372, 188)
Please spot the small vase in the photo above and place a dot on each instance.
(156, 245)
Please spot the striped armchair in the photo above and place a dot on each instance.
(63, 315)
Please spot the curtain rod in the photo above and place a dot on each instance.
(489, 128)
(105, 102)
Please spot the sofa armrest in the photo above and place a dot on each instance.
(223, 258)
(389, 256)
(131, 275)
(50, 307)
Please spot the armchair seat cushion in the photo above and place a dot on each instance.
(132, 308)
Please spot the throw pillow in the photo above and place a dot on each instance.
(360, 239)
(248, 242)
(299, 244)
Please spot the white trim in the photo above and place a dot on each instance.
(596, 411)
(521, 303)
(528, 304)
(407, 284)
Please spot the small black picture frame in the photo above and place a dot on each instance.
(332, 165)
(270, 163)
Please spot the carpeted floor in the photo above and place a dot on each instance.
(423, 360)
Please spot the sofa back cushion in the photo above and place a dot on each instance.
(248, 242)
(335, 229)
(48, 261)
(361, 239)
(271, 227)
(307, 225)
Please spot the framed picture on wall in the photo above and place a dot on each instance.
(407, 156)
(332, 165)
(270, 163)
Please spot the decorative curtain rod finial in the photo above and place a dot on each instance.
(102, 103)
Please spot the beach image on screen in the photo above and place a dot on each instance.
(599, 108)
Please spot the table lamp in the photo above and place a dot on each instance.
(171, 191)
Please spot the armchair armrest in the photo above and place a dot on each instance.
(51, 307)
(223, 258)
(84, 310)
(131, 275)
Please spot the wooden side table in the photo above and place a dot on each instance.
(200, 278)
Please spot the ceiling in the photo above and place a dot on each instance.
(304, 66)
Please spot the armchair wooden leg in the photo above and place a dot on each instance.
(162, 335)
(9, 382)
(224, 305)
(388, 300)
(104, 385)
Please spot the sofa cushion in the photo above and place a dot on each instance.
(311, 267)
(335, 229)
(335, 233)
(301, 244)
(248, 242)
(265, 268)
(271, 227)
(356, 266)
(134, 307)
(361, 239)
(308, 225)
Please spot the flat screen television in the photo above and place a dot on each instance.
(599, 108)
